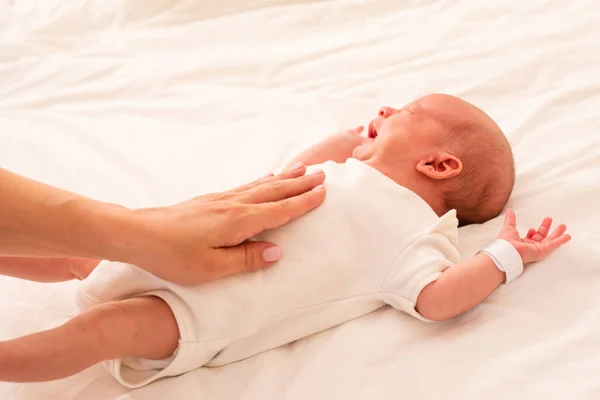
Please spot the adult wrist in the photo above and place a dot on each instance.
(118, 233)
(141, 239)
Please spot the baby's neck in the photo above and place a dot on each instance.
(415, 182)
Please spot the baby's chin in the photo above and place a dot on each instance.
(363, 151)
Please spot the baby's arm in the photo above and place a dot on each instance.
(465, 285)
(338, 148)
(139, 327)
(41, 269)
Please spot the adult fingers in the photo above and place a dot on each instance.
(530, 233)
(295, 171)
(274, 214)
(81, 267)
(558, 231)
(282, 189)
(545, 227)
(255, 218)
(246, 257)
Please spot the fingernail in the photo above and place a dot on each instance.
(316, 171)
(271, 254)
(296, 166)
(320, 187)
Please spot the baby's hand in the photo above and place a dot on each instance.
(355, 131)
(537, 244)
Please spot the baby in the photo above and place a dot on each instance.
(386, 234)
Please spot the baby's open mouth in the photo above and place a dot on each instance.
(372, 131)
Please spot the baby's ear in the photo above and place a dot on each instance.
(440, 166)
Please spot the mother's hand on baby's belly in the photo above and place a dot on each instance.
(205, 238)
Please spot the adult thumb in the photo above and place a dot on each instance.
(251, 256)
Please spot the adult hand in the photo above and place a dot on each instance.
(538, 243)
(205, 238)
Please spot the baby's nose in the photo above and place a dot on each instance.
(387, 111)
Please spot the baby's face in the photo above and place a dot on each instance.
(407, 135)
(426, 143)
(402, 135)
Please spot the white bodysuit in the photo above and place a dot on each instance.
(372, 242)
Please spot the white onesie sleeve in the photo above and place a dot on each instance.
(421, 263)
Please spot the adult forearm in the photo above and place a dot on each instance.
(42, 220)
(460, 288)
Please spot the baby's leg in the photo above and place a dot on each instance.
(141, 327)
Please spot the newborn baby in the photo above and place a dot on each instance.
(386, 234)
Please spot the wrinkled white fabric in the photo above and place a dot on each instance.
(370, 243)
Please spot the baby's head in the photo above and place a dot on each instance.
(446, 150)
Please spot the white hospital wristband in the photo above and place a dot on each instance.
(506, 258)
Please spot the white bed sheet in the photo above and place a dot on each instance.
(147, 102)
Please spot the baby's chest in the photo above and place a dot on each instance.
(326, 262)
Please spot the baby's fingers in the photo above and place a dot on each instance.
(530, 233)
(545, 227)
(561, 240)
(551, 245)
(356, 131)
(510, 219)
(558, 231)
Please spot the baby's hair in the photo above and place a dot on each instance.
(484, 187)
